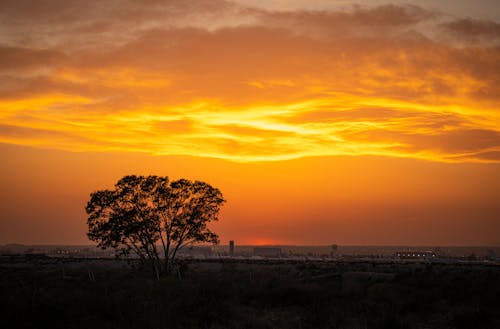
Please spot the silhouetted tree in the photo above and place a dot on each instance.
(153, 217)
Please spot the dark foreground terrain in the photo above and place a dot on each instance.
(51, 293)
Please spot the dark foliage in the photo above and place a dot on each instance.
(153, 217)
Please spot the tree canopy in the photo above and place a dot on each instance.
(153, 217)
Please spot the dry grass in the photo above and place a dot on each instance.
(252, 294)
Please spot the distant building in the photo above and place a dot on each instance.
(267, 251)
(491, 254)
(415, 254)
(195, 251)
(231, 247)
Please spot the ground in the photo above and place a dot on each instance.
(71, 293)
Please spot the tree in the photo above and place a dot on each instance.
(153, 217)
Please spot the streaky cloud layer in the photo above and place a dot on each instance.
(222, 80)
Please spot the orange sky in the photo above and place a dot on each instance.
(321, 121)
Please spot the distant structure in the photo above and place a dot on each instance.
(195, 251)
(333, 251)
(231, 247)
(267, 251)
(415, 254)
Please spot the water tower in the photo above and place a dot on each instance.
(231, 247)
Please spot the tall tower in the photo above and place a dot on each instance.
(231, 247)
(333, 251)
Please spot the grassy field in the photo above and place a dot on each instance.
(67, 293)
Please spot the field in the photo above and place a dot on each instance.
(71, 293)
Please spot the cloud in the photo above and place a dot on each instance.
(99, 24)
(174, 126)
(448, 144)
(213, 78)
(358, 22)
(16, 58)
(490, 156)
(43, 137)
(473, 27)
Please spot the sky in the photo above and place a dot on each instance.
(346, 122)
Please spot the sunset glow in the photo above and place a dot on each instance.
(257, 86)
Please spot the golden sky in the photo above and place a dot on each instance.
(336, 121)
